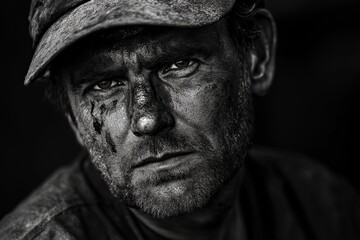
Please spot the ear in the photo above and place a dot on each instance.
(262, 55)
(75, 129)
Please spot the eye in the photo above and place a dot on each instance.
(105, 85)
(181, 68)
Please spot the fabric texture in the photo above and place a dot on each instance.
(56, 24)
(282, 197)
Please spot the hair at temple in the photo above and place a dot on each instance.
(242, 27)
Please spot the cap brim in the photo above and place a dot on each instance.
(97, 15)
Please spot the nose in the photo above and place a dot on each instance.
(150, 113)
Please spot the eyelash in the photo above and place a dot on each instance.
(113, 83)
(96, 89)
(187, 70)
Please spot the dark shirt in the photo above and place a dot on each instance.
(282, 197)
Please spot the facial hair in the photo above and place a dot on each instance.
(234, 125)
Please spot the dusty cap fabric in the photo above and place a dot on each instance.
(56, 24)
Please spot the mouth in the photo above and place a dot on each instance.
(162, 158)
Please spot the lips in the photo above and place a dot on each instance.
(161, 158)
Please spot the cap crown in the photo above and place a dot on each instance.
(56, 24)
(45, 12)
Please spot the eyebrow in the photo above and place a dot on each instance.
(164, 56)
(202, 45)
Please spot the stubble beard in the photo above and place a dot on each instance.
(236, 128)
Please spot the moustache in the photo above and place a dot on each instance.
(159, 145)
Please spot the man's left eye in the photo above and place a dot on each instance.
(105, 85)
(182, 67)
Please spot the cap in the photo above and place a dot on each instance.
(56, 24)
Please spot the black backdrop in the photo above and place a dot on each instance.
(311, 109)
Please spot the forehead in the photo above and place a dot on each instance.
(154, 39)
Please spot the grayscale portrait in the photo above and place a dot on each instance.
(167, 121)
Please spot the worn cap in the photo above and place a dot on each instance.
(56, 24)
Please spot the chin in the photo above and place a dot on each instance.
(172, 200)
(175, 195)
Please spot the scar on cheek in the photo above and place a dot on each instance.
(110, 142)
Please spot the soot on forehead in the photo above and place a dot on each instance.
(94, 42)
(115, 38)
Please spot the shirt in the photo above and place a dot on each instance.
(281, 197)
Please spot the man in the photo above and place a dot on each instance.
(159, 94)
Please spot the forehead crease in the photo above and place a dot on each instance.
(191, 38)
(96, 60)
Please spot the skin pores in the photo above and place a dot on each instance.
(164, 113)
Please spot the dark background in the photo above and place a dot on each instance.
(311, 109)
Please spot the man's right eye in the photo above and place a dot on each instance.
(106, 85)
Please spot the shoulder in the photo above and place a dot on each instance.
(324, 202)
(299, 171)
(65, 193)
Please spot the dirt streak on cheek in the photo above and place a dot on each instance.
(97, 123)
(110, 142)
(91, 116)
(99, 114)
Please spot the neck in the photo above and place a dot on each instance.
(220, 219)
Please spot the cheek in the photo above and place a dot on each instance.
(101, 124)
(117, 123)
(200, 106)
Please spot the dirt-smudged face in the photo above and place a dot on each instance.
(165, 114)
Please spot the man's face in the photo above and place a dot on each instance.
(164, 113)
